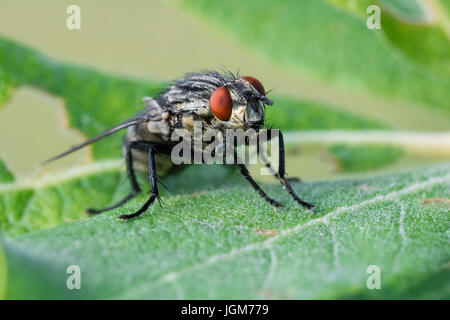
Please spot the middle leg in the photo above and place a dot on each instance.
(244, 171)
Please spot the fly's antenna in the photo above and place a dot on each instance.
(123, 125)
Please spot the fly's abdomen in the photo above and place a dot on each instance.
(153, 132)
(164, 165)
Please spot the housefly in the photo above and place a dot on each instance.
(219, 100)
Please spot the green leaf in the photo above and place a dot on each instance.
(227, 243)
(412, 11)
(5, 85)
(2, 273)
(94, 101)
(43, 203)
(5, 174)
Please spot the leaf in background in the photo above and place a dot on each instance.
(310, 115)
(410, 11)
(94, 101)
(5, 85)
(5, 174)
(207, 245)
(318, 39)
(421, 29)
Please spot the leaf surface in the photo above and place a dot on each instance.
(212, 244)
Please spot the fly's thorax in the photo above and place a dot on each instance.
(187, 122)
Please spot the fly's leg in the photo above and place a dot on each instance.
(153, 183)
(272, 170)
(133, 182)
(246, 174)
(281, 173)
(255, 186)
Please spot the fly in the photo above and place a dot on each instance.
(219, 100)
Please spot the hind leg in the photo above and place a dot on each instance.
(153, 183)
(133, 183)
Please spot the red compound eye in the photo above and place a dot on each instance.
(220, 104)
(256, 84)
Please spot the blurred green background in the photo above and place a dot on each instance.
(353, 102)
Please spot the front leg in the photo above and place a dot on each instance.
(152, 177)
(281, 173)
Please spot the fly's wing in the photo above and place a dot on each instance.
(152, 113)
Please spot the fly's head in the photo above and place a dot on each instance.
(239, 104)
(222, 100)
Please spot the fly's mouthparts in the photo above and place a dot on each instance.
(266, 100)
